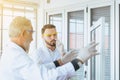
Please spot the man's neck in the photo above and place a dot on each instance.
(51, 47)
(18, 42)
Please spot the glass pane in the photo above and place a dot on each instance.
(76, 37)
(72, 36)
(58, 26)
(6, 21)
(76, 29)
(7, 11)
(79, 34)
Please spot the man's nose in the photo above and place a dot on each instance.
(53, 36)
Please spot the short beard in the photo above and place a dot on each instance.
(52, 45)
(27, 46)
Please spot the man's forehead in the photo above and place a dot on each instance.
(51, 30)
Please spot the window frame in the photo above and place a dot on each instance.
(117, 38)
(112, 47)
(99, 25)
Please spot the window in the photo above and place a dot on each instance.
(105, 60)
(76, 36)
(7, 13)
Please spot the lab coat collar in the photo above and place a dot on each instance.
(12, 44)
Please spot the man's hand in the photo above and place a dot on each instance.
(69, 56)
(87, 52)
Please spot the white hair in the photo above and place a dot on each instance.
(18, 25)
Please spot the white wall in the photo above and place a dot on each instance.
(61, 3)
(34, 1)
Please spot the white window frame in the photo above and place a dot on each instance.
(117, 56)
(99, 24)
(103, 4)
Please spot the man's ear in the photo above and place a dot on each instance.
(23, 33)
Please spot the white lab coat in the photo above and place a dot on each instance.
(15, 64)
(43, 55)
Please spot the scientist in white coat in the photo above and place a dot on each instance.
(15, 64)
(51, 49)
(48, 52)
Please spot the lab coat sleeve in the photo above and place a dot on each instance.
(33, 72)
(49, 65)
(55, 74)
(65, 69)
(35, 56)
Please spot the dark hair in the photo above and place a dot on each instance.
(47, 26)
